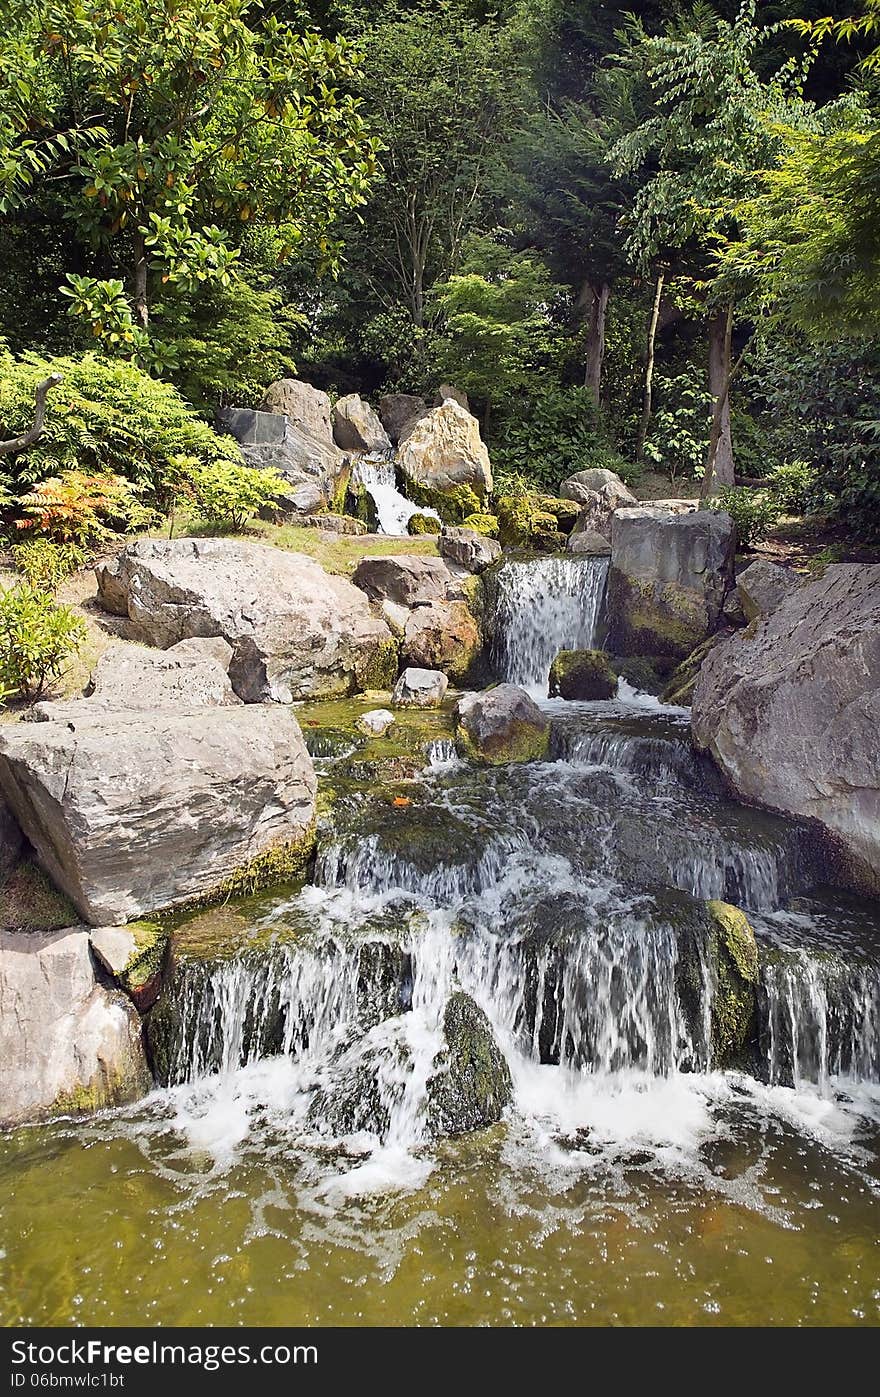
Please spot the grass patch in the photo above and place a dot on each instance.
(29, 901)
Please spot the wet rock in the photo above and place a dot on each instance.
(295, 630)
(734, 958)
(407, 581)
(444, 636)
(589, 542)
(356, 427)
(668, 578)
(420, 688)
(142, 811)
(582, 674)
(502, 725)
(762, 586)
(400, 412)
(473, 1085)
(649, 673)
(136, 956)
(375, 723)
(132, 678)
(790, 710)
(445, 463)
(67, 1044)
(469, 549)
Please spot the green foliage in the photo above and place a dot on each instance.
(679, 429)
(754, 512)
(547, 434)
(107, 417)
(36, 637)
(45, 565)
(227, 494)
(797, 487)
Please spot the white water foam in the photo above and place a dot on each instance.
(543, 606)
(393, 509)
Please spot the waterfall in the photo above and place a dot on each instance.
(543, 606)
(393, 509)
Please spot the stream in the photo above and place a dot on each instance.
(285, 1173)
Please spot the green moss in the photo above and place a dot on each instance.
(452, 505)
(401, 752)
(423, 524)
(683, 681)
(338, 499)
(473, 1085)
(380, 671)
(582, 674)
(486, 524)
(652, 620)
(282, 863)
(565, 512)
(148, 960)
(521, 742)
(524, 523)
(29, 901)
(734, 1004)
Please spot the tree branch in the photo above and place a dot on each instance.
(7, 448)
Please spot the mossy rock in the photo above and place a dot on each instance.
(652, 618)
(486, 524)
(453, 505)
(473, 1085)
(142, 976)
(565, 512)
(582, 674)
(734, 1005)
(524, 523)
(380, 671)
(682, 682)
(649, 673)
(286, 862)
(423, 524)
(359, 503)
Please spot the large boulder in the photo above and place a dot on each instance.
(502, 725)
(296, 631)
(471, 1085)
(598, 507)
(445, 464)
(469, 549)
(406, 580)
(444, 636)
(790, 710)
(132, 677)
(399, 413)
(762, 586)
(66, 1043)
(668, 579)
(292, 434)
(356, 427)
(130, 813)
(420, 688)
(584, 675)
(582, 486)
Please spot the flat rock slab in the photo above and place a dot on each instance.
(144, 811)
(135, 679)
(296, 631)
(67, 1044)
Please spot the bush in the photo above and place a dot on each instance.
(545, 436)
(82, 509)
(36, 637)
(45, 565)
(105, 417)
(227, 494)
(796, 487)
(754, 512)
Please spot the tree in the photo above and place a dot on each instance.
(170, 126)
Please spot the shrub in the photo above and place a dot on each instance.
(754, 512)
(105, 417)
(796, 487)
(45, 565)
(36, 637)
(545, 436)
(82, 509)
(228, 494)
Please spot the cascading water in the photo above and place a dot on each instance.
(543, 606)
(393, 509)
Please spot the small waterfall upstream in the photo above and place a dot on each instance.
(393, 510)
(543, 606)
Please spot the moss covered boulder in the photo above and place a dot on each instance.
(502, 725)
(524, 523)
(483, 523)
(472, 1084)
(444, 636)
(582, 674)
(734, 959)
(423, 524)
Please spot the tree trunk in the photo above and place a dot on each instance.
(719, 468)
(597, 300)
(141, 267)
(648, 398)
(16, 444)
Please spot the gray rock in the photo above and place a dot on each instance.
(134, 679)
(444, 636)
(502, 725)
(395, 616)
(420, 688)
(296, 631)
(302, 501)
(213, 647)
(252, 428)
(399, 413)
(469, 549)
(790, 710)
(599, 506)
(143, 811)
(292, 436)
(444, 456)
(356, 427)
(762, 586)
(337, 524)
(588, 542)
(66, 1043)
(375, 723)
(114, 946)
(472, 1085)
(732, 610)
(448, 390)
(668, 578)
(585, 484)
(406, 580)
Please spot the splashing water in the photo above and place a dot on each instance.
(544, 606)
(393, 509)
